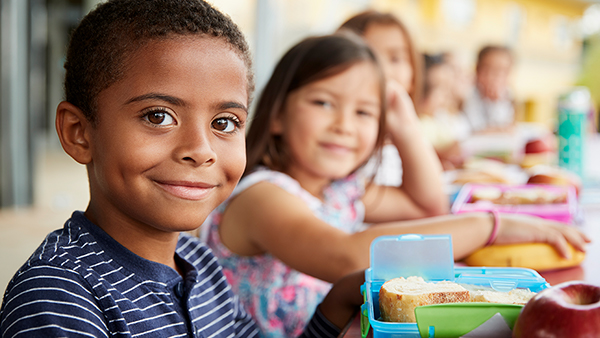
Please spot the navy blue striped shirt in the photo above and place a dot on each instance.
(80, 282)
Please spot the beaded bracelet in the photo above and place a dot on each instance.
(495, 228)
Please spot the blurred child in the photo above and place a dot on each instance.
(414, 164)
(156, 102)
(443, 126)
(490, 107)
(290, 227)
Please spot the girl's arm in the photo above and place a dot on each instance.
(422, 191)
(265, 218)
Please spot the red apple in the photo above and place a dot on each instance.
(570, 309)
(537, 146)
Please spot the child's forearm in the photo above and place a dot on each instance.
(348, 252)
(468, 231)
(422, 172)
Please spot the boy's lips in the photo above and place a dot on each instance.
(187, 190)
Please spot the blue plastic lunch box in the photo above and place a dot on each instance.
(431, 257)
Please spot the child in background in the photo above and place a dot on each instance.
(413, 164)
(156, 102)
(443, 127)
(490, 107)
(291, 227)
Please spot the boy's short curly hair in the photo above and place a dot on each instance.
(114, 30)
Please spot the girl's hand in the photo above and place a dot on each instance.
(516, 228)
(401, 115)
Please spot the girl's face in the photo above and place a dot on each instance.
(391, 47)
(330, 126)
(169, 145)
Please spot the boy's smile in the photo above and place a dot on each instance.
(169, 142)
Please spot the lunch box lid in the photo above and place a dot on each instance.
(428, 256)
(431, 257)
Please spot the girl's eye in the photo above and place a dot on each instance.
(365, 113)
(226, 125)
(159, 117)
(322, 103)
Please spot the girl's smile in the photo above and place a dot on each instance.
(337, 148)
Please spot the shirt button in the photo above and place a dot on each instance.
(179, 289)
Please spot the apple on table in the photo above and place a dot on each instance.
(570, 309)
(539, 145)
(554, 176)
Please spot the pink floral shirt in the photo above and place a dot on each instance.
(281, 299)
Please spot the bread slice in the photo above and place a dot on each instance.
(399, 297)
(516, 296)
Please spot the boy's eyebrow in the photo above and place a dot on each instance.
(232, 104)
(157, 96)
(178, 102)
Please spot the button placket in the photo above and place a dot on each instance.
(179, 289)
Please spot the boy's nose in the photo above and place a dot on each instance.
(195, 148)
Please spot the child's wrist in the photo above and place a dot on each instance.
(495, 227)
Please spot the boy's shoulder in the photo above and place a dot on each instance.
(59, 277)
(69, 247)
(66, 252)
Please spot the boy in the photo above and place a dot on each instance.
(156, 102)
(490, 107)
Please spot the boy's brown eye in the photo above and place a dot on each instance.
(220, 124)
(226, 125)
(159, 117)
(156, 117)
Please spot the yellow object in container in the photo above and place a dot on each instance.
(537, 256)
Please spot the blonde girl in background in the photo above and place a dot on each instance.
(294, 224)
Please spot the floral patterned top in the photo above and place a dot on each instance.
(281, 299)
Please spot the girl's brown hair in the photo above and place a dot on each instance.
(312, 59)
(362, 21)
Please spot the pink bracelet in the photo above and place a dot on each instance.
(495, 228)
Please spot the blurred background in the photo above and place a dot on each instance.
(556, 45)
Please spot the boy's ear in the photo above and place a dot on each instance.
(74, 132)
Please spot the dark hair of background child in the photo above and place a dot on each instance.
(311, 60)
(361, 22)
(485, 50)
(101, 44)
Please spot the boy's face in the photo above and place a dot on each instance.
(169, 145)
(492, 74)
